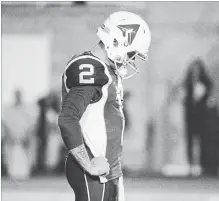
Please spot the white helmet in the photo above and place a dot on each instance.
(125, 36)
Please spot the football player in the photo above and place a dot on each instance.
(91, 120)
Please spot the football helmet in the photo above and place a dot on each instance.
(125, 36)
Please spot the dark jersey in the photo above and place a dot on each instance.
(92, 109)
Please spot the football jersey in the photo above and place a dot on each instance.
(99, 108)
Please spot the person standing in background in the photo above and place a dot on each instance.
(18, 123)
(55, 147)
(42, 137)
(4, 134)
(198, 87)
(211, 139)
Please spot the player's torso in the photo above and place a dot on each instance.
(103, 121)
(114, 122)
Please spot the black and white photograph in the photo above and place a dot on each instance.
(110, 100)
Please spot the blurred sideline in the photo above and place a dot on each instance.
(149, 189)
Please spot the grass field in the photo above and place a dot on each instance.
(146, 189)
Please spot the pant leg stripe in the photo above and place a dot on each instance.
(103, 192)
(88, 193)
(121, 196)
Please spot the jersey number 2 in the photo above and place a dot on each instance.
(89, 72)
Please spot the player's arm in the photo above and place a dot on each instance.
(73, 107)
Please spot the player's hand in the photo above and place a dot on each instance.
(99, 166)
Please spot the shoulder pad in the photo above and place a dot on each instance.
(85, 70)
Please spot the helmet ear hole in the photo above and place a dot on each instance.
(115, 43)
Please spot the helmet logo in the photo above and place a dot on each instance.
(130, 31)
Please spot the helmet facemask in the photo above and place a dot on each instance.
(127, 68)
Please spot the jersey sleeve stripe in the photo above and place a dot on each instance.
(64, 82)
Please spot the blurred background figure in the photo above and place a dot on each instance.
(210, 152)
(4, 135)
(18, 125)
(55, 150)
(175, 158)
(48, 144)
(198, 87)
(41, 137)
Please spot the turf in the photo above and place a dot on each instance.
(146, 189)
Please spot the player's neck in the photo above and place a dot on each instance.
(99, 52)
